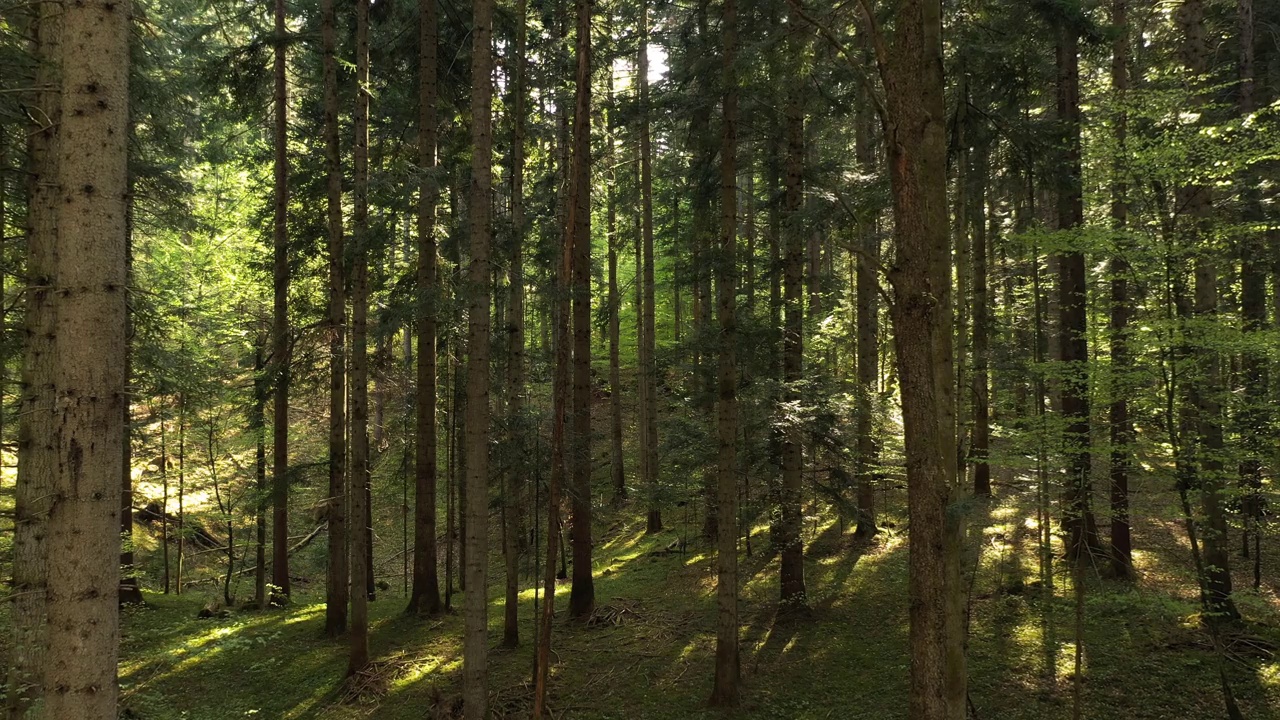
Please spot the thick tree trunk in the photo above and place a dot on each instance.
(337, 579)
(425, 598)
(35, 411)
(921, 313)
(791, 547)
(476, 534)
(1121, 306)
(89, 365)
(280, 344)
(724, 692)
(358, 486)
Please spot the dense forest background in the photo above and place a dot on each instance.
(617, 359)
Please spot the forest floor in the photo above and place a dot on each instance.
(648, 652)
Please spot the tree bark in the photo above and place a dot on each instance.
(791, 547)
(1121, 306)
(361, 570)
(36, 456)
(1073, 349)
(476, 534)
(648, 343)
(617, 470)
(337, 588)
(868, 330)
(911, 70)
(280, 312)
(582, 592)
(89, 365)
(724, 692)
(425, 598)
(1195, 202)
(258, 426)
(981, 441)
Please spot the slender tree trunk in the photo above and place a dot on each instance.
(258, 425)
(1073, 350)
(915, 136)
(980, 397)
(476, 634)
(426, 585)
(1121, 306)
(1195, 201)
(130, 589)
(36, 456)
(617, 471)
(361, 570)
(724, 693)
(337, 579)
(182, 490)
(648, 342)
(89, 365)
(1255, 416)
(582, 594)
(790, 544)
(517, 491)
(868, 310)
(280, 333)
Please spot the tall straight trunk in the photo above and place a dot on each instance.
(476, 534)
(516, 493)
(868, 330)
(582, 593)
(130, 588)
(361, 570)
(791, 548)
(425, 598)
(648, 343)
(36, 456)
(617, 471)
(280, 313)
(1195, 202)
(911, 68)
(89, 365)
(258, 426)
(724, 692)
(337, 588)
(1121, 306)
(1255, 418)
(182, 490)
(1073, 349)
(963, 266)
(980, 397)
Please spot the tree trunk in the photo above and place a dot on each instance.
(258, 426)
(648, 342)
(476, 634)
(617, 471)
(1254, 416)
(921, 312)
(425, 598)
(36, 456)
(130, 589)
(516, 493)
(868, 310)
(1195, 202)
(182, 490)
(1121, 306)
(1073, 349)
(337, 579)
(981, 439)
(582, 593)
(791, 547)
(280, 312)
(361, 570)
(724, 693)
(89, 367)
